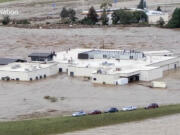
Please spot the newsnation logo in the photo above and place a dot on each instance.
(8, 12)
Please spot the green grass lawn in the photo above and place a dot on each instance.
(55, 125)
(5, 0)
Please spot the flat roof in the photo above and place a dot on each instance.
(6, 61)
(39, 54)
(25, 67)
(127, 66)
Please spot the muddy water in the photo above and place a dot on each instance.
(17, 98)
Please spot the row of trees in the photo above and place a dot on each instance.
(127, 17)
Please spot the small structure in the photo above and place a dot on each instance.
(156, 84)
(6, 61)
(155, 16)
(42, 56)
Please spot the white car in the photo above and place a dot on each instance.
(76, 114)
(129, 108)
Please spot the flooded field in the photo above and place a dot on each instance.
(20, 100)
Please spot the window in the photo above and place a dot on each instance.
(175, 66)
(60, 70)
(30, 79)
(17, 79)
(94, 79)
(71, 74)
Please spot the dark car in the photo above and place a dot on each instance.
(111, 110)
(95, 112)
(152, 106)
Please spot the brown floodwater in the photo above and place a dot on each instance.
(20, 100)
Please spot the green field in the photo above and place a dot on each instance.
(5, 0)
(55, 125)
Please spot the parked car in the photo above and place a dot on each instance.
(111, 110)
(95, 112)
(80, 113)
(152, 106)
(129, 108)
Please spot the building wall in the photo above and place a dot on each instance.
(153, 19)
(81, 71)
(63, 66)
(104, 79)
(26, 75)
(149, 75)
(169, 64)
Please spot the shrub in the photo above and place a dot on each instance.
(23, 21)
(86, 21)
(6, 20)
(175, 20)
(51, 99)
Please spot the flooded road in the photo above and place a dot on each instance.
(20, 100)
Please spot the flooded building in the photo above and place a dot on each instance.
(116, 67)
(27, 71)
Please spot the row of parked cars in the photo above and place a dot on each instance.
(113, 109)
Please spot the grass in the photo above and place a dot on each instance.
(56, 125)
(1, 1)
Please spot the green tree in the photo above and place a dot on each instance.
(159, 8)
(72, 14)
(6, 20)
(64, 13)
(142, 4)
(68, 15)
(92, 15)
(140, 16)
(104, 18)
(123, 16)
(175, 20)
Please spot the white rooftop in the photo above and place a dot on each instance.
(126, 66)
(25, 67)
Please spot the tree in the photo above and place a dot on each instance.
(175, 20)
(72, 14)
(140, 16)
(122, 16)
(104, 18)
(68, 15)
(92, 15)
(161, 22)
(64, 13)
(159, 8)
(106, 5)
(5, 20)
(142, 4)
